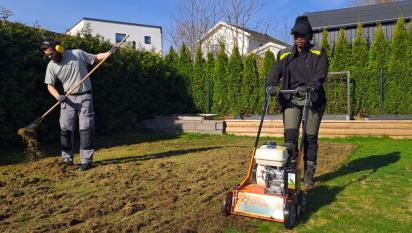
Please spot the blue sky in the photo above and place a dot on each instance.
(58, 16)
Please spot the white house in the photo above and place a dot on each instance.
(272, 46)
(247, 40)
(147, 37)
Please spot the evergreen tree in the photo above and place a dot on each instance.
(184, 68)
(198, 84)
(408, 82)
(250, 86)
(378, 54)
(397, 60)
(409, 39)
(359, 50)
(341, 54)
(209, 81)
(378, 59)
(173, 78)
(324, 43)
(220, 82)
(171, 58)
(268, 61)
(267, 64)
(367, 83)
(396, 88)
(234, 81)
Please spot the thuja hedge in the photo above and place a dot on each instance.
(381, 75)
(135, 85)
(130, 86)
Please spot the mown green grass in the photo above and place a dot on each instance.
(370, 192)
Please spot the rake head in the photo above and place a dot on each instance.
(30, 129)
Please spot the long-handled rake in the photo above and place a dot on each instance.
(31, 128)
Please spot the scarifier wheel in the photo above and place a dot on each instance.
(289, 214)
(227, 204)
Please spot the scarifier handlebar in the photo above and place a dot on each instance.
(265, 108)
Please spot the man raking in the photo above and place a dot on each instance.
(70, 67)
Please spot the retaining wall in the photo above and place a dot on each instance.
(274, 128)
(328, 128)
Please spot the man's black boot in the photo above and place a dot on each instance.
(85, 166)
(65, 162)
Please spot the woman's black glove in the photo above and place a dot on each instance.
(303, 89)
(272, 90)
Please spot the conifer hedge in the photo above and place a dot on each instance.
(381, 75)
(135, 85)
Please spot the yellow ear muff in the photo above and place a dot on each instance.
(59, 48)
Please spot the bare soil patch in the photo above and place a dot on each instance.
(173, 185)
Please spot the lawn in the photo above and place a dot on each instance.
(370, 192)
(151, 182)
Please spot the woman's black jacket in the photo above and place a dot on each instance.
(317, 62)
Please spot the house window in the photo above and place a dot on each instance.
(147, 40)
(119, 37)
(214, 48)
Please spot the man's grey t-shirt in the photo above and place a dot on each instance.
(70, 70)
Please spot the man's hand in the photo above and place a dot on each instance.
(272, 90)
(61, 98)
(113, 50)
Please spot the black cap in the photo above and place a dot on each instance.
(49, 44)
(302, 26)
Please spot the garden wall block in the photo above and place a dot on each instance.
(187, 124)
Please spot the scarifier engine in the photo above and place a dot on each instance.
(270, 172)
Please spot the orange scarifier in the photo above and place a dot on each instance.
(271, 189)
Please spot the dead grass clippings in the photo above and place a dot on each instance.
(179, 193)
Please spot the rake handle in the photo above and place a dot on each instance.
(84, 79)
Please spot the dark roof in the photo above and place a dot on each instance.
(365, 14)
(262, 36)
(118, 22)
